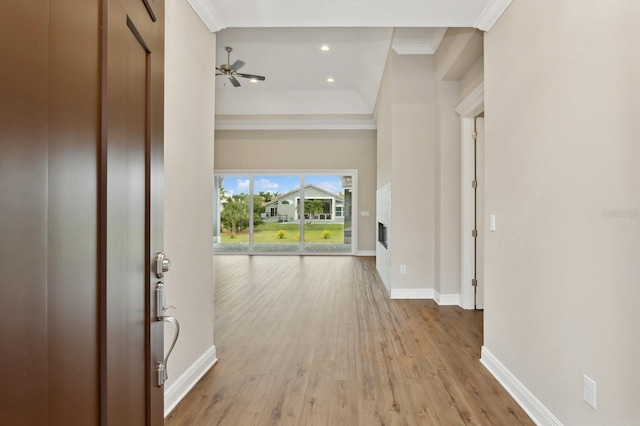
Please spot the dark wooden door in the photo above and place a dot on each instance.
(132, 224)
(49, 138)
(23, 213)
(81, 116)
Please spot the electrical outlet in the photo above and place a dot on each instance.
(403, 269)
(589, 391)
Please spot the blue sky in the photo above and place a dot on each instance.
(281, 184)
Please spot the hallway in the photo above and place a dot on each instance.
(315, 340)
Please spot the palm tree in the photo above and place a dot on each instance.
(313, 207)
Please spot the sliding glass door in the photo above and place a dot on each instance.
(292, 213)
(275, 228)
(327, 203)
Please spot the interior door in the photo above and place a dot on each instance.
(132, 223)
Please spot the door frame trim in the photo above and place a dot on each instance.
(468, 109)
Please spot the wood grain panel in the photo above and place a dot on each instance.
(24, 90)
(74, 134)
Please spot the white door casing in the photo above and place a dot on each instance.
(480, 216)
(468, 109)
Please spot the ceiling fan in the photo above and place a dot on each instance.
(231, 71)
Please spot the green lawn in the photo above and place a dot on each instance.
(267, 233)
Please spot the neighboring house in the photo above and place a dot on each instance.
(286, 208)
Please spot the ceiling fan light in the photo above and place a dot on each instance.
(330, 80)
(325, 48)
(254, 80)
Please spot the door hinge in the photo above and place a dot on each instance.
(474, 135)
(474, 184)
(474, 233)
(474, 282)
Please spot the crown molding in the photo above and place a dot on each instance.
(205, 10)
(307, 124)
(415, 47)
(473, 104)
(491, 13)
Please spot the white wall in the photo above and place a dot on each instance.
(189, 112)
(562, 152)
(311, 150)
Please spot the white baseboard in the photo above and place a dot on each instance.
(366, 253)
(179, 389)
(529, 403)
(446, 299)
(412, 293)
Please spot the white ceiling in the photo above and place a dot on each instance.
(281, 40)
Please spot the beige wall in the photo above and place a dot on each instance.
(384, 119)
(457, 53)
(562, 152)
(189, 111)
(384, 124)
(419, 146)
(447, 189)
(472, 77)
(282, 150)
(406, 136)
(413, 176)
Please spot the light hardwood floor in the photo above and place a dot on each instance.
(316, 341)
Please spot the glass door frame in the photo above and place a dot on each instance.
(252, 174)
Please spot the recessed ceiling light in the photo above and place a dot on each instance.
(325, 48)
(254, 80)
(330, 80)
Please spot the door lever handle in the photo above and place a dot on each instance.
(161, 308)
(163, 375)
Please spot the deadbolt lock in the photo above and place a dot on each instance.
(163, 264)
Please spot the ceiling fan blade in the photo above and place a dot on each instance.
(237, 65)
(257, 77)
(234, 81)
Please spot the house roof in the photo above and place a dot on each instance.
(309, 185)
